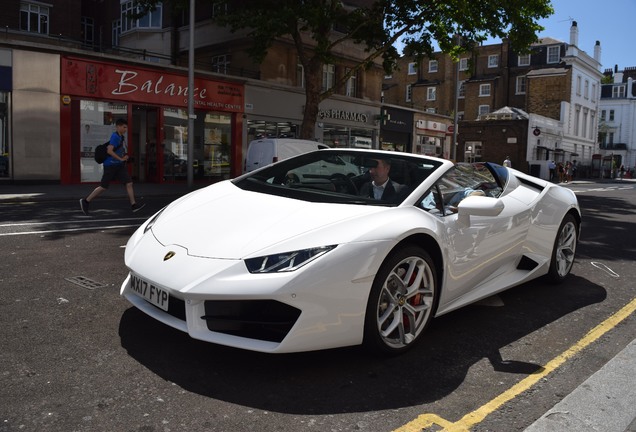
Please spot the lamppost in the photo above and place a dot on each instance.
(191, 115)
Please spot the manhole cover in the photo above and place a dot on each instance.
(85, 282)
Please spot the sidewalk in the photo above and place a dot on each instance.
(605, 402)
(52, 192)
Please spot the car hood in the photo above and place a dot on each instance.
(225, 222)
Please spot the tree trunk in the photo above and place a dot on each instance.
(313, 90)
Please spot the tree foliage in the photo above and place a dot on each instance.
(319, 29)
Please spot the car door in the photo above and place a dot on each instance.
(479, 248)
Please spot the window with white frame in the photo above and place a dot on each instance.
(412, 68)
(461, 92)
(431, 110)
(520, 87)
(618, 91)
(88, 30)
(586, 89)
(554, 54)
(115, 32)
(577, 120)
(431, 93)
(584, 128)
(493, 61)
(432, 66)
(34, 17)
(611, 115)
(578, 85)
(603, 114)
(484, 89)
(463, 64)
(300, 75)
(460, 115)
(409, 92)
(328, 76)
(350, 88)
(593, 92)
(220, 63)
(523, 60)
(152, 19)
(483, 110)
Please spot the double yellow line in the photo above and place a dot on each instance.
(464, 424)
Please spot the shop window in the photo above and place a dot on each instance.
(257, 129)
(342, 136)
(212, 145)
(34, 18)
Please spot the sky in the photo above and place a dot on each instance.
(611, 22)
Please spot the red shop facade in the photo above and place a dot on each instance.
(155, 103)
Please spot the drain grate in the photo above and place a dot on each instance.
(85, 282)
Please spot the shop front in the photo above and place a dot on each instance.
(345, 124)
(396, 129)
(431, 136)
(154, 102)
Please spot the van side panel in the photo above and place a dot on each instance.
(263, 152)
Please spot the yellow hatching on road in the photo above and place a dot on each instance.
(426, 421)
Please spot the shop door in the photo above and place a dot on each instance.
(143, 144)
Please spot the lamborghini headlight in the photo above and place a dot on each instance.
(285, 262)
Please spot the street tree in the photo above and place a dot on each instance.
(320, 28)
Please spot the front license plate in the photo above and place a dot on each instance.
(152, 293)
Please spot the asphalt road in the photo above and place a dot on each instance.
(77, 357)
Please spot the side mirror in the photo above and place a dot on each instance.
(478, 206)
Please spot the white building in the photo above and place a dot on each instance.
(617, 121)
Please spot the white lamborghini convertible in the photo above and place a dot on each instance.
(298, 256)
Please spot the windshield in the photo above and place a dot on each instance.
(343, 176)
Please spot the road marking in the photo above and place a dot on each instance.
(464, 424)
(69, 230)
(9, 225)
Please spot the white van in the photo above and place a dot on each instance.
(265, 151)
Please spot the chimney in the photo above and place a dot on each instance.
(597, 51)
(574, 34)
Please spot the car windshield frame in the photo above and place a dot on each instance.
(340, 176)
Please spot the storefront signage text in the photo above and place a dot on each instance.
(139, 85)
(430, 125)
(343, 115)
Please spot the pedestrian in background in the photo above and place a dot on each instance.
(115, 169)
(507, 162)
(552, 170)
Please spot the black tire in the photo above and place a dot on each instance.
(564, 249)
(402, 301)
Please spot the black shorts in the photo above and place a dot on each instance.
(115, 172)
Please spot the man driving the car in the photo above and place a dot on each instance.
(381, 187)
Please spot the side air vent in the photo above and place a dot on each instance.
(527, 264)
